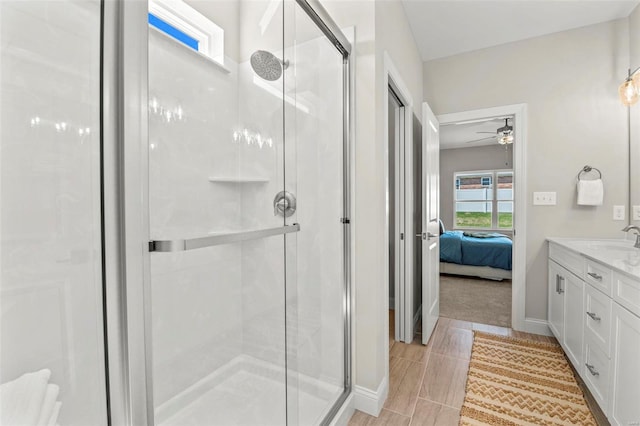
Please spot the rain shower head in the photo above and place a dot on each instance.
(267, 65)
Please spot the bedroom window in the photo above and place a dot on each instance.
(481, 204)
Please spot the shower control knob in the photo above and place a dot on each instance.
(284, 204)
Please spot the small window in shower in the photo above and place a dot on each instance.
(172, 31)
(185, 24)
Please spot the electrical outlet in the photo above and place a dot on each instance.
(544, 198)
(636, 213)
(618, 212)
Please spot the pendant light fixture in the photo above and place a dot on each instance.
(629, 90)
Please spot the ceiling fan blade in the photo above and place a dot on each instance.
(480, 140)
(493, 133)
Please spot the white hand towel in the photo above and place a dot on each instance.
(21, 399)
(590, 192)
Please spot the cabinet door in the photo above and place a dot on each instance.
(625, 400)
(573, 288)
(556, 300)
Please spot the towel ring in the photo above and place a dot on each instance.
(587, 169)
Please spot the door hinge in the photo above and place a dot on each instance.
(345, 220)
(401, 236)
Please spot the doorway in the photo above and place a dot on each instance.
(482, 204)
(404, 209)
(396, 207)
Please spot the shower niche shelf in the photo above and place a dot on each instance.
(238, 179)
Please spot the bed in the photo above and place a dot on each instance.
(479, 254)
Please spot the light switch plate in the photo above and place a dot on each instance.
(544, 198)
(618, 212)
(636, 213)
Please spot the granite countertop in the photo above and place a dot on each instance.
(618, 254)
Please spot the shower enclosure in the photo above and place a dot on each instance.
(174, 211)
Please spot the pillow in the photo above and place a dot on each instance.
(442, 229)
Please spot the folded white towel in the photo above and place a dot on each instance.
(53, 420)
(21, 399)
(590, 192)
(48, 404)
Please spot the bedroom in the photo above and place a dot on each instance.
(476, 214)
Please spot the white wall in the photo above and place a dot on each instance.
(490, 157)
(569, 81)
(380, 26)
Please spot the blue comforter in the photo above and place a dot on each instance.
(458, 248)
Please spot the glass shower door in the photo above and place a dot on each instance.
(315, 157)
(217, 206)
(52, 363)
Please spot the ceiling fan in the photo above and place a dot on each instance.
(503, 135)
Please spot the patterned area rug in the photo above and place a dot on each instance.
(520, 382)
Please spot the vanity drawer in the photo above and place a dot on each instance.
(570, 260)
(598, 275)
(598, 318)
(626, 291)
(595, 372)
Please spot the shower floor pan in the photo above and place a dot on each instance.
(248, 391)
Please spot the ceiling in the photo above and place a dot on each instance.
(458, 135)
(448, 27)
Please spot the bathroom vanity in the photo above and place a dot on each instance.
(594, 312)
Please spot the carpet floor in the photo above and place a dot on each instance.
(515, 381)
(476, 300)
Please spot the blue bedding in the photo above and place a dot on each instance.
(455, 247)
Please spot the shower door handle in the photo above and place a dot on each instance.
(216, 240)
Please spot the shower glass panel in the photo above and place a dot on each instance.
(246, 199)
(52, 366)
(315, 255)
(216, 159)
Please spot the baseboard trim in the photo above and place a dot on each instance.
(345, 413)
(537, 326)
(371, 402)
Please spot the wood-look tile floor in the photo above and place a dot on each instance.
(427, 383)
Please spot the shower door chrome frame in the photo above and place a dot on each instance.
(125, 192)
(332, 31)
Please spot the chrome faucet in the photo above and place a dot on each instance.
(637, 232)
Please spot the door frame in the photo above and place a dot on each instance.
(404, 293)
(519, 256)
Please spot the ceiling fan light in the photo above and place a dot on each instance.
(628, 91)
(506, 139)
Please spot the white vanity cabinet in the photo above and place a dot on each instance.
(556, 300)
(594, 312)
(566, 310)
(625, 366)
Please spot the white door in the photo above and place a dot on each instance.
(430, 226)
